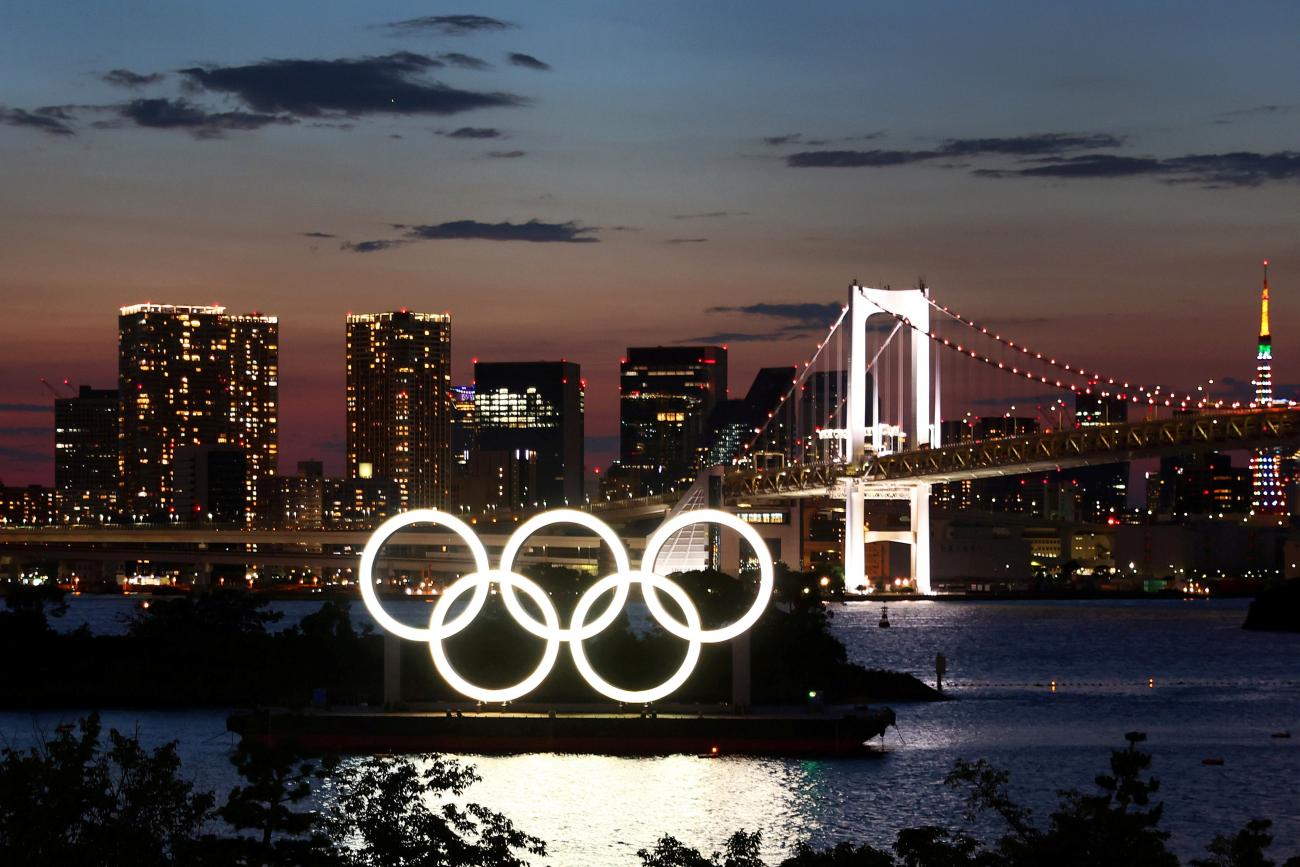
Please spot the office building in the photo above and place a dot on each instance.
(85, 456)
(193, 376)
(537, 408)
(399, 403)
(210, 485)
(666, 395)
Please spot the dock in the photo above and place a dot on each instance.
(778, 732)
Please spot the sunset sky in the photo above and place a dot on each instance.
(567, 179)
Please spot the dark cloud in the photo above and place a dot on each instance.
(743, 337)
(127, 78)
(318, 235)
(448, 25)
(710, 215)
(20, 432)
(390, 84)
(26, 407)
(473, 132)
(857, 159)
(798, 138)
(464, 61)
(804, 314)
(184, 115)
(1237, 169)
(686, 240)
(24, 456)
(51, 119)
(1042, 144)
(1090, 166)
(506, 155)
(534, 231)
(1259, 109)
(527, 61)
(371, 246)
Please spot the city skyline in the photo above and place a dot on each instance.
(675, 174)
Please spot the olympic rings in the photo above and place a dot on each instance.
(480, 581)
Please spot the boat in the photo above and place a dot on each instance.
(777, 732)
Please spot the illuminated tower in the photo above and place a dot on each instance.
(399, 405)
(193, 376)
(1267, 496)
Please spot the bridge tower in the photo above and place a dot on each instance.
(913, 307)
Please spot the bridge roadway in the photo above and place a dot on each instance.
(316, 549)
(1094, 444)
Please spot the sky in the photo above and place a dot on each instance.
(568, 179)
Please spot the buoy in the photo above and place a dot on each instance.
(884, 617)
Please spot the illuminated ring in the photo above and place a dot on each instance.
(582, 519)
(377, 540)
(766, 575)
(577, 629)
(481, 581)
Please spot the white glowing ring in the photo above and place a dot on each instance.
(480, 582)
(377, 540)
(620, 581)
(766, 575)
(582, 519)
(482, 579)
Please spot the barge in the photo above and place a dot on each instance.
(779, 732)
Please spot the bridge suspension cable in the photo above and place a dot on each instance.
(1152, 394)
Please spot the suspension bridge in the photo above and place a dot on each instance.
(862, 421)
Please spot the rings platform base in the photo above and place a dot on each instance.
(778, 732)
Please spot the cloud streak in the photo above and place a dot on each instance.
(806, 314)
(131, 80)
(1236, 169)
(527, 61)
(50, 119)
(473, 132)
(184, 115)
(447, 25)
(532, 231)
(349, 87)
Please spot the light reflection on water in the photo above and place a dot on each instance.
(1220, 692)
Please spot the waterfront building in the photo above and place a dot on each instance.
(666, 394)
(532, 411)
(293, 502)
(733, 424)
(399, 404)
(193, 376)
(464, 428)
(1099, 491)
(27, 506)
(358, 504)
(85, 456)
(210, 485)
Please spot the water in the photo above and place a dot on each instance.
(1219, 692)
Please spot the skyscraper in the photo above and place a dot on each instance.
(399, 405)
(536, 406)
(193, 376)
(1268, 493)
(85, 455)
(666, 394)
